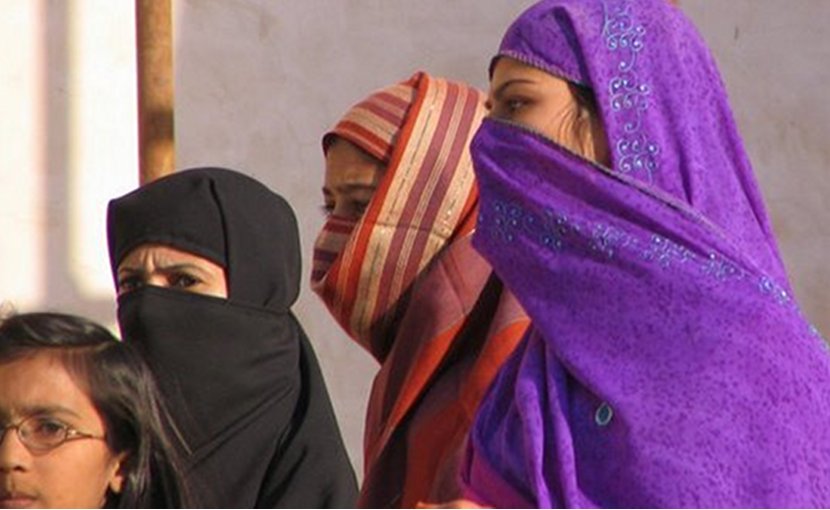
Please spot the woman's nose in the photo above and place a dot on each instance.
(13, 453)
(157, 280)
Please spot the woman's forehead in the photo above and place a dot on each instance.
(41, 382)
(348, 164)
(161, 254)
(507, 69)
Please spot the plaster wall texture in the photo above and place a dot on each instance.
(259, 81)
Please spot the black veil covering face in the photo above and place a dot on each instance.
(239, 375)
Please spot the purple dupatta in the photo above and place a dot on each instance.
(669, 364)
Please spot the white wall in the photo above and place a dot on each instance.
(775, 59)
(67, 145)
(258, 82)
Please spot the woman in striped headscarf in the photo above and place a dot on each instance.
(395, 267)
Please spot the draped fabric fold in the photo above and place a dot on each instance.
(668, 363)
(405, 283)
(238, 374)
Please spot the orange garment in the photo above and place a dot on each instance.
(406, 284)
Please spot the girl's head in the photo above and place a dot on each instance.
(631, 85)
(559, 109)
(164, 266)
(399, 187)
(624, 83)
(210, 231)
(81, 420)
(360, 146)
(352, 177)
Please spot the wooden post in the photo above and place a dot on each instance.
(154, 51)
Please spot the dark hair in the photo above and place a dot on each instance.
(122, 389)
(585, 98)
(587, 123)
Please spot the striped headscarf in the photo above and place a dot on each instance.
(406, 284)
(362, 271)
(375, 123)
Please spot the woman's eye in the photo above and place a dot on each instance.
(509, 107)
(46, 428)
(182, 281)
(349, 208)
(515, 104)
(129, 283)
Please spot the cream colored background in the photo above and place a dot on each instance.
(257, 83)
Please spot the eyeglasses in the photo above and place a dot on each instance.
(42, 433)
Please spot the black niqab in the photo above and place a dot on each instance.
(239, 374)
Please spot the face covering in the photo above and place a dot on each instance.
(330, 242)
(238, 374)
(234, 363)
(425, 201)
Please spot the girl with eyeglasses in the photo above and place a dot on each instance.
(81, 425)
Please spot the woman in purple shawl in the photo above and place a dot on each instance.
(669, 364)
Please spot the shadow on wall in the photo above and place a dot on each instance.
(247, 100)
(61, 291)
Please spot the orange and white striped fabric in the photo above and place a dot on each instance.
(404, 282)
(374, 124)
(424, 200)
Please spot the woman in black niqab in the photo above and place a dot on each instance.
(238, 373)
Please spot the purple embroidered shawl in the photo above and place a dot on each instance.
(669, 365)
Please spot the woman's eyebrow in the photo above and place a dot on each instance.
(161, 267)
(47, 409)
(182, 266)
(127, 270)
(346, 188)
(515, 81)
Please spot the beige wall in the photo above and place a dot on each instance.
(774, 59)
(67, 144)
(257, 83)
